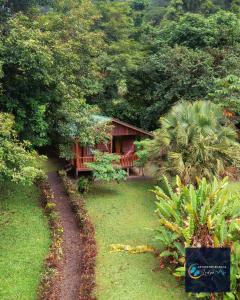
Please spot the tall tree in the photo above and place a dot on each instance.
(123, 55)
(47, 58)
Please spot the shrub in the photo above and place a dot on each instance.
(106, 167)
(17, 159)
(142, 154)
(204, 216)
(84, 184)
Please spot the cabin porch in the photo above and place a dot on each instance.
(126, 162)
(122, 146)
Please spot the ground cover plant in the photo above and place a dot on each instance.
(206, 215)
(123, 275)
(24, 241)
(54, 260)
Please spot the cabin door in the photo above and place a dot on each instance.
(118, 145)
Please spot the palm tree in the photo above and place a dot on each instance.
(195, 139)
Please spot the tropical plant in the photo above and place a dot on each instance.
(204, 216)
(195, 139)
(106, 167)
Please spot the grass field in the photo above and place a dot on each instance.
(24, 242)
(124, 214)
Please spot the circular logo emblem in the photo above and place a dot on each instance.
(194, 272)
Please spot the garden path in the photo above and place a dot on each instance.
(69, 284)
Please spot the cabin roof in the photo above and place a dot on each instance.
(132, 127)
(100, 118)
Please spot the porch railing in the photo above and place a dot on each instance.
(126, 161)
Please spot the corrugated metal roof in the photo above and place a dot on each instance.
(100, 118)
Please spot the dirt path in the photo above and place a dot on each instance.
(69, 286)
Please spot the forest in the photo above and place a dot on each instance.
(127, 59)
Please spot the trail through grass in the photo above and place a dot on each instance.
(124, 214)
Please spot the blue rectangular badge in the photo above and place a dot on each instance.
(207, 270)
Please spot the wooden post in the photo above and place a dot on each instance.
(111, 144)
(77, 157)
(76, 173)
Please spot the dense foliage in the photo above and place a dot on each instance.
(134, 59)
(106, 167)
(62, 62)
(202, 216)
(77, 122)
(141, 151)
(48, 58)
(17, 160)
(195, 139)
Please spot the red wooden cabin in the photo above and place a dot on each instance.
(123, 136)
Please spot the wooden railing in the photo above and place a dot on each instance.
(81, 162)
(126, 161)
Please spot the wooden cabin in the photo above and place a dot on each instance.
(123, 136)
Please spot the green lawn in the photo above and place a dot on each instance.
(124, 213)
(24, 242)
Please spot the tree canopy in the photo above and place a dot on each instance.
(134, 59)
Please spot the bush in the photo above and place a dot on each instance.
(204, 216)
(17, 159)
(84, 184)
(107, 167)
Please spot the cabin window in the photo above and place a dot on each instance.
(90, 151)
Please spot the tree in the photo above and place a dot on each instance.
(47, 58)
(28, 74)
(227, 93)
(142, 154)
(122, 57)
(167, 76)
(77, 122)
(195, 140)
(106, 167)
(17, 160)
